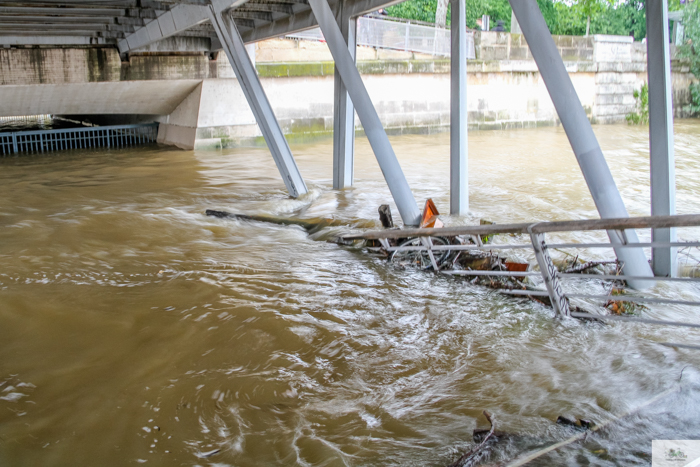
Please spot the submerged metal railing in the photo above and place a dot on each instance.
(38, 141)
(551, 276)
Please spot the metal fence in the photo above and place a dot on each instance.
(398, 34)
(117, 136)
(553, 279)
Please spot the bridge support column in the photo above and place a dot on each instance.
(344, 112)
(235, 49)
(663, 178)
(580, 133)
(459, 171)
(378, 139)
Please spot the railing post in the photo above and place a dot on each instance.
(549, 274)
(15, 148)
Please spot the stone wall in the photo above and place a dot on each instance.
(410, 91)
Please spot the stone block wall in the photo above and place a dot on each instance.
(411, 93)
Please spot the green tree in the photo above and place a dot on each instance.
(690, 49)
(590, 8)
(419, 10)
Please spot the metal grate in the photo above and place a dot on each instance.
(398, 35)
(118, 136)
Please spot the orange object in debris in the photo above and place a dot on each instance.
(430, 218)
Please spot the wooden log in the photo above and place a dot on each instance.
(310, 225)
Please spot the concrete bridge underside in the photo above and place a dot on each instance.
(147, 26)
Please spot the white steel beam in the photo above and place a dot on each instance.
(184, 16)
(663, 178)
(174, 21)
(344, 113)
(255, 95)
(459, 168)
(378, 139)
(580, 133)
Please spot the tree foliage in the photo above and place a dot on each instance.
(640, 116)
(690, 50)
(607, 17)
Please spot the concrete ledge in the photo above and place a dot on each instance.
(182, 137)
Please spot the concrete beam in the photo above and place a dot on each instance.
(105, 98)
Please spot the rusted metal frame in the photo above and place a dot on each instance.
(550, 275)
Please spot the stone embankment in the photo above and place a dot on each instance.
(198, 101)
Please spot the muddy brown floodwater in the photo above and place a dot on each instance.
(134, 329)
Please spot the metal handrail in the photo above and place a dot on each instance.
(76, 138)
(79, 129)
(653, 222)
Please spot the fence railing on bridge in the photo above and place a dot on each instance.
(115, 136)
(554, 281)
(398, 34)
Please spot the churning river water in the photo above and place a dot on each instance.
(134, 329)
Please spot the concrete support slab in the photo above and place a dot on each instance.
(344, 112)
(378, 139)
(459, 169)
(663, 177)
(231, 40)
(580, 133)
